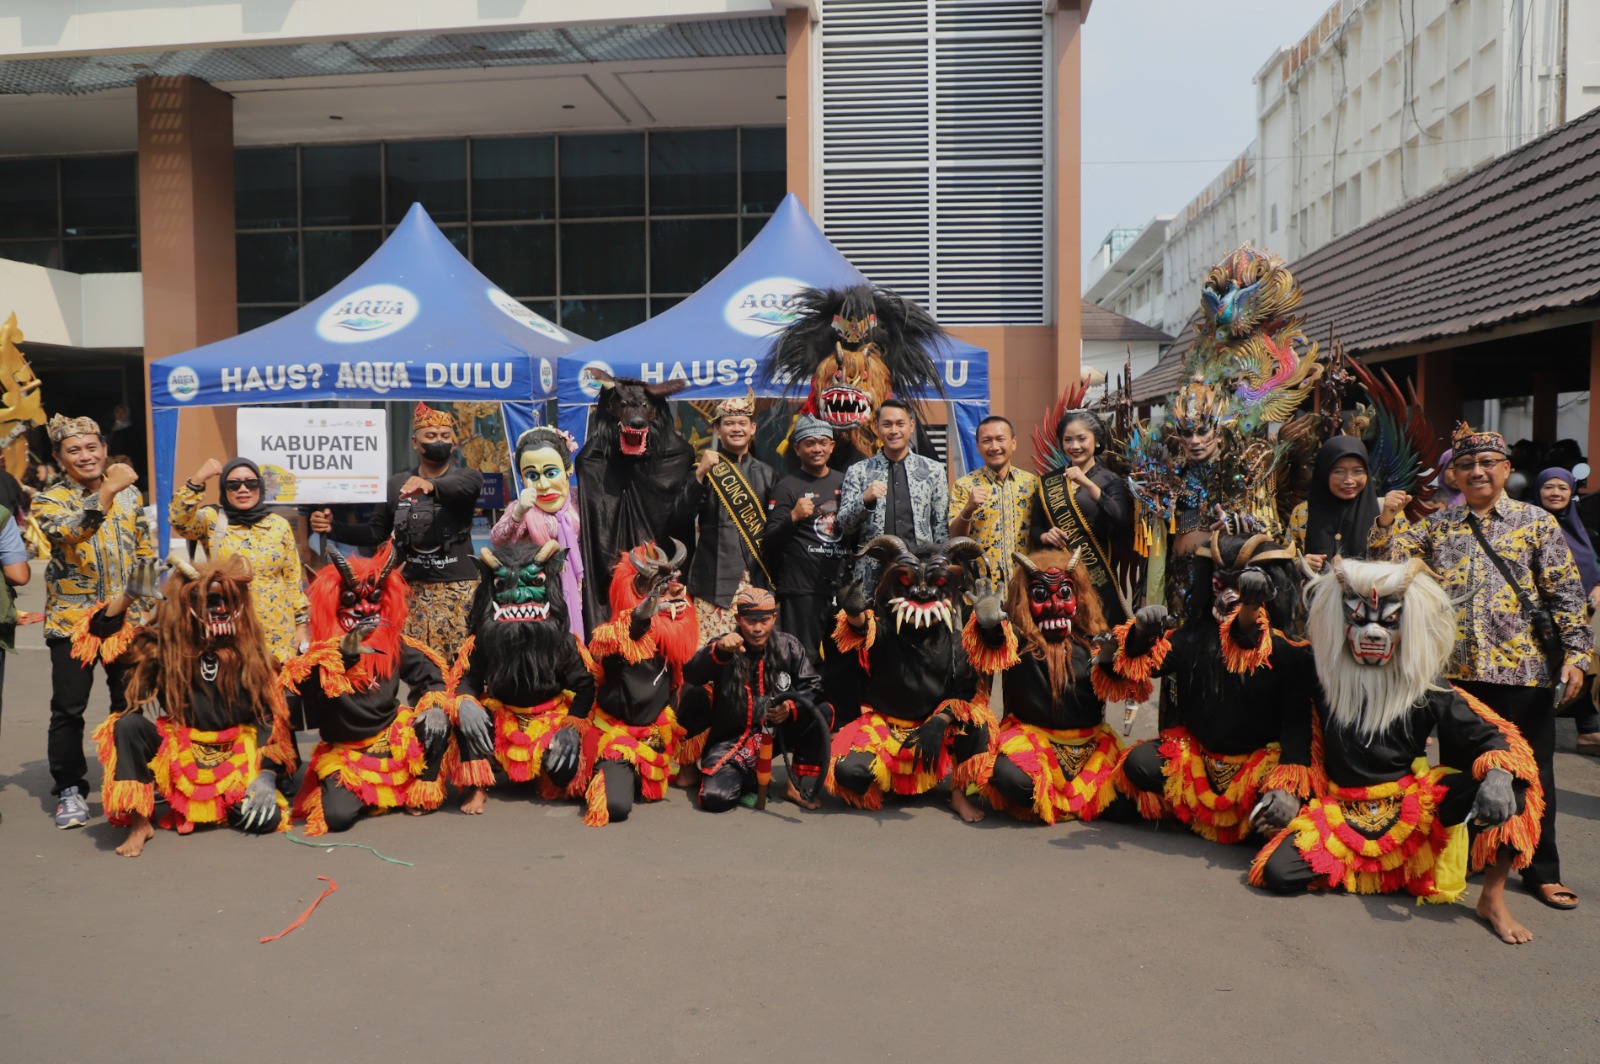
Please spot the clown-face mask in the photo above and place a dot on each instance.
(1053, 602)
(1374, 627)
(545, 471)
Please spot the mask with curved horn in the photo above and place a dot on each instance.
(1027, 563)
(389, 565)
(885, 548)
(490, 560)
(346, 574)
(962, 550)
(550, 547)
(181, 564)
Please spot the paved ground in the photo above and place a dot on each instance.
(755, 936)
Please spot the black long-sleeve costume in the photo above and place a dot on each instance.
(733, 714)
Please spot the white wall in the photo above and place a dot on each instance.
(74, 310)
(1111, 357)
(45, 27)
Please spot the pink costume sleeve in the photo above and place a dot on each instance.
(508, 529)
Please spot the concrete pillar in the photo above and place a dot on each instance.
(1544, 406)
(1068, 189)
(797, 98)
(186, 242)
(1592, 444)
(1436, 387)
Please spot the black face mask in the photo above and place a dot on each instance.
(437, 451)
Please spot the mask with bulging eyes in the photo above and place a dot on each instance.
(1053, 603)
(1373, 631)
(221, 616)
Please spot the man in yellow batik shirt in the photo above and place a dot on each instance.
(94, 520)
(992, 504)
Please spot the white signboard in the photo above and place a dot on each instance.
(316, 456)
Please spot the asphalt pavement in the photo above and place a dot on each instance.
(778, 935)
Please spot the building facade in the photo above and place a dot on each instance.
(213, 166)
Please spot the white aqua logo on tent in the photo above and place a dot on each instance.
(547, 375)
(367, 314)
(519, 313)
(183, 383)
(764, 307)
(588, 382)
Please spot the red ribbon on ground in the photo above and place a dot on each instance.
(332, 886)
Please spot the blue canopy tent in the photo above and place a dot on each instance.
(717, 338)
(415, 321)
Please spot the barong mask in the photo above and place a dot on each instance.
(652, 568)
(919, 584)
(218, 616)
(634, 406)
(648, 569)
(365, 594)
(523, 588)
(1373, 618)
(1052, 598)
(857, 347)
(1380, 633)
(1244, 569)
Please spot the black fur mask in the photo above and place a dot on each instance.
(519, 616)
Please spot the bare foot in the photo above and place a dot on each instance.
(475, 800)
(139, 833)
(689, 777)
(416, 810)
(792, 793)
(1492, 908)
(963, 805)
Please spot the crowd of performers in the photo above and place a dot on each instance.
(1309, 656)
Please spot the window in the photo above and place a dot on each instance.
(78, 213)
(595, 231)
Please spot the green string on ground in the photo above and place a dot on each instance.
(292, 837)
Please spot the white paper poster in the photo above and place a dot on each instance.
(312, 455)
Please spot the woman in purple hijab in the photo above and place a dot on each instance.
(1557, 491)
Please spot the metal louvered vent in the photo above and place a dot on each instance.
(933, 151)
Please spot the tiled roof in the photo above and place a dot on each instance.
(1513, 239)
(1517, 237)
(1102, 323)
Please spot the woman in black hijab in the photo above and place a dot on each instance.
(1339, 513)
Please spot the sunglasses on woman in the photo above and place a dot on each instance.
(243, 485)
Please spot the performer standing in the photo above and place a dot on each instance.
(633, 745)
(376, 754)
(1383, 819)
(223, 737)
(1525, 644)
(724, 502)
(1242, 688)
(1084, 506)
(429, 513)
(804, 544)
(991, 505)
(524, 665)
(94, 521)
(1054, 757)
(760, 682)
(546, 511)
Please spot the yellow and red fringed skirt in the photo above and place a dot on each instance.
(1211, 793)
(1071, 768)
(522, 736)
(651, 749)
(1377, 840)
(200, 774)
(894, 766)
(381, 771)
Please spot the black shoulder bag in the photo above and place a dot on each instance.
(1544, 623)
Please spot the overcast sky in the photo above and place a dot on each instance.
(1168, 99)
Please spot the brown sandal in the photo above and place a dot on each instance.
(1555, 895)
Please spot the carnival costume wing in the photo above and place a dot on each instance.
(1404, 449)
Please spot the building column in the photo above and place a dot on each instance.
(1436, 388)
(1592, 448)
(186, 243)
(797, 100)
(1544, 406)
(1068, 189)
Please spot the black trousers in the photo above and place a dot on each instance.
(1533, 711)
(70, 684)
(806, 618)
(341, 808)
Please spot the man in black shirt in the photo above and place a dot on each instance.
(803, 544)
(723, 503)
(429, 513)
